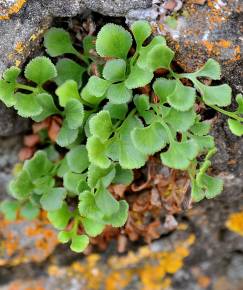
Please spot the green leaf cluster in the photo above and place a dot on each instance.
(108, 128)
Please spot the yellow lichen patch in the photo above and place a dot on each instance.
(24, 241)
(13, 9)
(22, 49)
(26, 285)
(182, 227)
(39, 33)
(118, 280)
(204, 281)
(235, 223)
(17, 62)
(19, 47)
(152, 269)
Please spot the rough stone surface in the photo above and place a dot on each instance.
(9, 148)
(10, 124)
(23, 23)
(212, 30)
(24, 241)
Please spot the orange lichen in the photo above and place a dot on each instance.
(117, 280)
(44, 241)
(19, 47)
(224, 43)
(17, 62)
(204, 281)
(182, 227)
(13, 9)
(235, 223)
(152, 269)
(26, 285)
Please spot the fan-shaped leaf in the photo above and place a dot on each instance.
(40, 70)
(197, 192)
(150, 139)
(200, 128)
(113, 41)
(204, 142)
(129, 156)
(119, 93)
(119, 218)
(115, 70)
(53, 199)
(160, 56)
(97, 152)
(77, 159)
(92, 227)
(21, 186)
(7, 93)
(138, 77)
(11, 74)
(71, 182)
(48, 107)
(123, 176)
(27, 105)
(87, 206)
(97, 86)
(143, 52)
(216, 95)
(105, 201)
(182, 98)
(57, 41)
(141, 102)
(212, 185)
(100, 125)
(66, 136)
(38, 166)
(74, 113)
(235, 127)
(239, 100)
(141, 30)
(180, 121)
(9, 208)
(79, 243)
(96, 174)
(60, 218)
(179, 155)
(67, 91)
(164, 88)
(211, 69)
(64, 236)
(117, 111)
(68, 69)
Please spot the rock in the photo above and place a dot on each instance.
(10, 124)
(23, 23)
(117, 7)
(25, 241)
(147, 267)
(213, 30)
(9, 148)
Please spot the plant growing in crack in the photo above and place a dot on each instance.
(108, 128)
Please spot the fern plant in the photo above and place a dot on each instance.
(108, 128)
